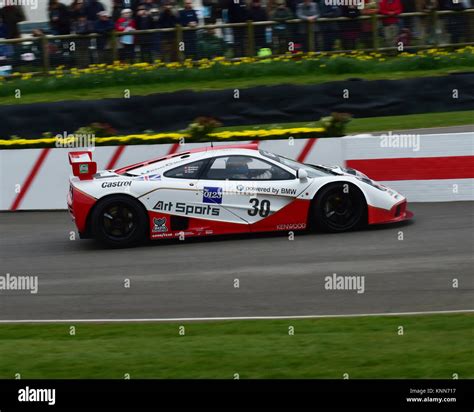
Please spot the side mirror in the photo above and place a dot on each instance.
(302, 174)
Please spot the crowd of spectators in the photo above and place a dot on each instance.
(90, 16)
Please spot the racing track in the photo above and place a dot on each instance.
(78, 280)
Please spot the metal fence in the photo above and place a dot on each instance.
(407, 32)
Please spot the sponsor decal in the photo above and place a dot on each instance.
(240, 188)
(83, 168)
(150, 177)
(292, 226)
(212, 195)
(159, 225)
(116, 184)
(291, 192)
(186, 209)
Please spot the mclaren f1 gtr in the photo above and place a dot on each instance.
(222, 190)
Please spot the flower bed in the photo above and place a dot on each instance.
(162, 138)
(102, 75)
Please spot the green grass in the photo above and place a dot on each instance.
(373, 124)
(105, 92)
(433, 346)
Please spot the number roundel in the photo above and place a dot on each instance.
(259, 208)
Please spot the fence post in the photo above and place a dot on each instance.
(178, 42)
(436, 28)
(45, 52)
(311, 35)
(375, 31)
(114, 46)
(250, 39)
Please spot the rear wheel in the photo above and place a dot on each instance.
(119, 221)
(339, 207)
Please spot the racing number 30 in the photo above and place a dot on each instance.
(262, 208)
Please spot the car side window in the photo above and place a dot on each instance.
(244, 168)
(187, 171)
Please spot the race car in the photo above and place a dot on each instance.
(222, 190)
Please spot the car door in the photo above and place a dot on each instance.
(250, 188)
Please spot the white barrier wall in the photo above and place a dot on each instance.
(436, 168)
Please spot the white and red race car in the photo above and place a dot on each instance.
(222, 190)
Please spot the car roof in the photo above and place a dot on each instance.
(182, 156)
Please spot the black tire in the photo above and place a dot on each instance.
(339, 207)
(119, 221)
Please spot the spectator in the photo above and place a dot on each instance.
(212, 10)
(123, 25)
(76, 10)
(117, 7)
(168, 19)
(308, 12)
(238, 13)
(292, 5)
(258, 13)
(351, 28)
(104, 26)
(329, 30)
(92, 9)
(188, 18)
(366, 26)
(144, 21)
(404, 38)
(408, 6)
(456, 23)
(59, 21)
(428, 23)
(5, 49)
(390, 8)
(280, 31)
(131, 4)
(11, 15)
(148, 5)
(83, 27)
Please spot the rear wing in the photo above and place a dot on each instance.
(82, 165)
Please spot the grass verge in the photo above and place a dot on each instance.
(432, 346)
(97, 92)
(376, 124)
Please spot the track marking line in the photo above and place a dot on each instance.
(434, 312)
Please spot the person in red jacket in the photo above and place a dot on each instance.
(125, 24)
(391, 9)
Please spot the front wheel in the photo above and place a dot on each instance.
(119, 221)
(339, 207)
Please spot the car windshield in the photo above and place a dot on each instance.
(313, 170)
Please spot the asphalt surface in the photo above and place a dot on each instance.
(278, 276)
